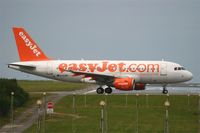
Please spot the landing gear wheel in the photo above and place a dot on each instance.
(108, 90)
(165, 91)
(100, 90)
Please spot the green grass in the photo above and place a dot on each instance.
(40, 86)
(32, 100)
(183, 118)
(49, 85)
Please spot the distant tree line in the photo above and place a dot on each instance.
(6, 87)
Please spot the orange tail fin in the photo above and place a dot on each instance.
(27, 48)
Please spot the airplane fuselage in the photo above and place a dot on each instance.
(120, 74)
(147, 72)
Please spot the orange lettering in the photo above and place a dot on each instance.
(121, 69)
(112, 67)
(62, 67)
(141, 67)
(153, 67)
(92, 67)
(73, 66)
(103, 68)
(82, 67)
(132, 68)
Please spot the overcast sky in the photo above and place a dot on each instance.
(104, 29)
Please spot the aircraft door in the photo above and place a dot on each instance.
(163, 71)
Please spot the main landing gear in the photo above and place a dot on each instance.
(107, 90)
(165, 91)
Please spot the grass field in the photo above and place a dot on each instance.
(32, 99)
(40, 86)
(49, 85)
(121, 117)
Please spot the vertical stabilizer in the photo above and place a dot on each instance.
(27, 48)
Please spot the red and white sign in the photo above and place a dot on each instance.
(50, 108)
(50, 105)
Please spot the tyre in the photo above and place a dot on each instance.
(100, 90)
(108, 90)
(165, 91)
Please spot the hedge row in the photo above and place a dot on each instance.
(6, 87)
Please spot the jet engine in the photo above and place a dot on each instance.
(127, 84)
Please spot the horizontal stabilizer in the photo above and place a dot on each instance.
(14, 66)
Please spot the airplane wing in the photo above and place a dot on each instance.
(102, 78)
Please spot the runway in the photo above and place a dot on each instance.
(156, 90)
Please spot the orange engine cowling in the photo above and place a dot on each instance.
(125, 84)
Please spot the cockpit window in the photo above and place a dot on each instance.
(183, 68)
(179, 68)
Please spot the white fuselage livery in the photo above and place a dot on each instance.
(122, 75)
(146, 72)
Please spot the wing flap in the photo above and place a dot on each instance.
(102, 78)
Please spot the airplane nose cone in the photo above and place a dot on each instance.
(189, 75)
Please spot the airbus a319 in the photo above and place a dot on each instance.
(120, 74)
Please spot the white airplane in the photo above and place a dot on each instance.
(122, 75)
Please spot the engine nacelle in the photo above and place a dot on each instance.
(139, 86)
(125, 84)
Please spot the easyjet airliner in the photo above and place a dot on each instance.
(120, 74)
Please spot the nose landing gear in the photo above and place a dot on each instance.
(165, 91)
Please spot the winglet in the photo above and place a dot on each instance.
(27, 48)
